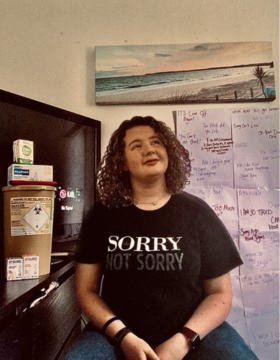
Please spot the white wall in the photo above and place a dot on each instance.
(47, 46)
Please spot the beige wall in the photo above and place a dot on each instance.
(47, 46)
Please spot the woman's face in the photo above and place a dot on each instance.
(144, 153)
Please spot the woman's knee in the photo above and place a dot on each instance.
(92, 345)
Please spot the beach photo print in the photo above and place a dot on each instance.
(184, 74)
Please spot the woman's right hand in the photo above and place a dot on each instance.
(135, 348)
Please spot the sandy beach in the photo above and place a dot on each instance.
(208, 91)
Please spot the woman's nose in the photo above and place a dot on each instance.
(148, 149)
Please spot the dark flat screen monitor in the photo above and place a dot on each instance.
(69, 142)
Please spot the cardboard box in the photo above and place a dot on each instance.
(14, 268)
(23, 152)
(30, 172)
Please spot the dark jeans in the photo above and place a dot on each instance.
(223, 343)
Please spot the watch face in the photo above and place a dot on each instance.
(195, 341)
(192, 336)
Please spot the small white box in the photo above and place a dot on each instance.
(30, 172)
(23, 152)
(30, 266)
(14, 269)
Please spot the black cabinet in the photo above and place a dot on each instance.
(16, 338)
(44, 331)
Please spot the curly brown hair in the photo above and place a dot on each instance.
(113, 182)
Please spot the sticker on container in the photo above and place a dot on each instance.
(31, 216)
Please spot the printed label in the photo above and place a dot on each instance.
(31, 216)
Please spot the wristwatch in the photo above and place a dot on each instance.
(192, 336)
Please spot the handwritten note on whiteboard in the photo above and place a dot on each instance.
(261, 304)
(207, 136)
(256, 147)
(259, 233)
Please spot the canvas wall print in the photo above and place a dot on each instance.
(184, 74)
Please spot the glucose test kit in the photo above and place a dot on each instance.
(23, 152)
(22, 172)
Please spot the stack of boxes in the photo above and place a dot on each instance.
(23, 172)
(23, 169)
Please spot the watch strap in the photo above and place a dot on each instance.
(108, 323)
(118, 338)
(191, 335)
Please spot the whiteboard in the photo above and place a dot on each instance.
(235, 169)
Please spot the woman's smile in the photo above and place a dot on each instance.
(151, 162)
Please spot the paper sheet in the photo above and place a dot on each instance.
(256, 147)
(261, 304)
(259, 230)
(207, 136)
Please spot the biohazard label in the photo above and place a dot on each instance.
(31, 216)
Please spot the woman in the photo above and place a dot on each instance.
(153, 270)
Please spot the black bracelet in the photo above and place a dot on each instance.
(108, 323)
(118, 338)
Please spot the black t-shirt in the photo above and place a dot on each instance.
(155, 261)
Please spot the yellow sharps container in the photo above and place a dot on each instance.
(28, 222)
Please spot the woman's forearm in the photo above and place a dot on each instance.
(99, 313)
(88, 279)
(212, 311)
(215, 307)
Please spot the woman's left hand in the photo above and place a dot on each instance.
(174, 348)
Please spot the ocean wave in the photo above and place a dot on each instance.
(118, 85)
